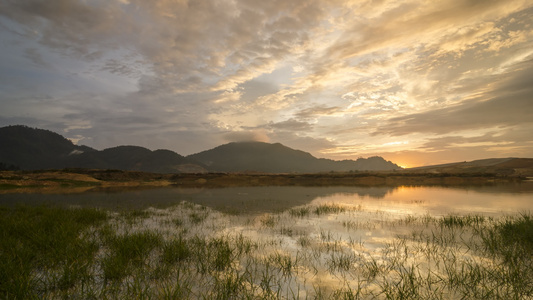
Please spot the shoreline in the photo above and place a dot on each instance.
(81, 180)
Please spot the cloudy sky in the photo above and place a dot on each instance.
(418, 82)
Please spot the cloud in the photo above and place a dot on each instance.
(179, 39)
(425, 22)
(396, 44)
(34, 55)
(247, 136)
(315, 111)
(290, 125)
(506, 103)
(312, 74)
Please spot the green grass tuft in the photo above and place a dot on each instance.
(127, 251)
(43, 238)
(329, 209)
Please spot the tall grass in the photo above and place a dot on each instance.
(46, 249)
(328, 209)
(128, 251)
(48, 252)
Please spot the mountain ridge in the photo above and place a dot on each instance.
(504, 166)
(33, 148)
(266, 157)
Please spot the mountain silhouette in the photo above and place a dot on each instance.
(277, 158)
(134, 158)
(32, 149)
(502, 166)
(29, 148)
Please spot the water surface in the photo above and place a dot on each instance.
(318, 240)
(435, 200)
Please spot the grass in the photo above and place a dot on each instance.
(328, 209)
(197, 218)
(175, 251)
(7, 186)
(517, 233)
(126, 251)
(48, 252)
(462, 221)
(268, 221)
(71, 183)
(300, 212)
(51, 243)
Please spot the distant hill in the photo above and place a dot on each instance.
(135, 158)
(32, 149)
(277, 158)
(503, 166)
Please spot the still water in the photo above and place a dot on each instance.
(321, 242)
(433, 200)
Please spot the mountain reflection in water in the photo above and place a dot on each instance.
(252, 200)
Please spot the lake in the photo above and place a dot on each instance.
(435, 200)
(293, 242)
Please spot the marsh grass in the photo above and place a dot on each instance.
(329, 208)
(128, 251)
(268, 220)
(517, 233)
(197, 218)
(6, 186)
(134, 215)
(302, 253)
(359, 225)
(300, 212)
(45, 249)
(175, 251)
(462, 221)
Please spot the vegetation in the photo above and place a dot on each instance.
(62, 180)
(46, 249)
(190, 252)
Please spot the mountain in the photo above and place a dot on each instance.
(277, 158)
(31, 149)
(503, 166)
(135, 158)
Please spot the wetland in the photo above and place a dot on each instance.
(270, 242)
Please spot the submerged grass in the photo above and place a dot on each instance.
(328, 209)
(48, 252)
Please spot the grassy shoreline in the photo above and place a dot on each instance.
(80, 180)
(309, 252)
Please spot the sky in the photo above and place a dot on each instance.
(417, 82)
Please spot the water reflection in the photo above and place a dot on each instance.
(443, 200)
(311, 241)
(228, 200)
(252, 200)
